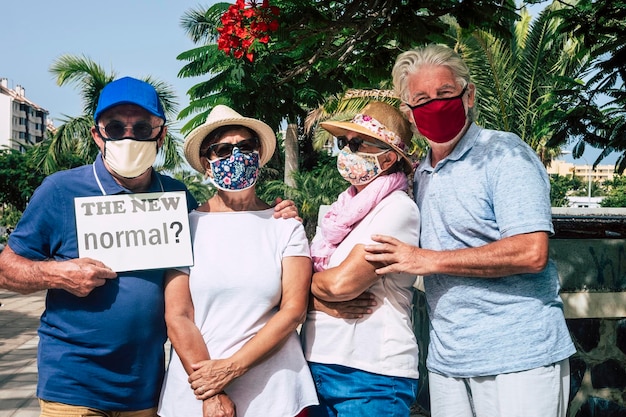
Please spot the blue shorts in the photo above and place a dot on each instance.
(350, 392)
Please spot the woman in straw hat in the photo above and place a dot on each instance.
(232, 317)
(364, 366)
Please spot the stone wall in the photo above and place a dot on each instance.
(589, 248)
(598, 369)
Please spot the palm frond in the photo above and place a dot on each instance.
(72, 137)
(200, 23)
(89, 77)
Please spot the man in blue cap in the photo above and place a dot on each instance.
(101, 336)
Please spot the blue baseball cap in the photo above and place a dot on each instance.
(129, 90)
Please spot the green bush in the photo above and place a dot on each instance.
(314, 188)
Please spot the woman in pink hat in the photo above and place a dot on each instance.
(365, 366)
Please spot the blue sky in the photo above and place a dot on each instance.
(131, 37)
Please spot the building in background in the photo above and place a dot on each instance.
(600, 174)
(587, 175)
(584, 201)
(22, 122)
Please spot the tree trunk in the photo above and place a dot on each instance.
(291, 153)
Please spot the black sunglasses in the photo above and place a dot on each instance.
(222, 150)
(115, 130)
(355, 143)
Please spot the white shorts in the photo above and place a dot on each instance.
(539, 392)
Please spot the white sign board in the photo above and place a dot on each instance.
(129, 232)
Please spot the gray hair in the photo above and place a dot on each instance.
(410, 62)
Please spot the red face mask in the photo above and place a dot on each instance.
(440, 119)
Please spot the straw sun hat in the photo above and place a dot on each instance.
(223, 116)
(383, 123)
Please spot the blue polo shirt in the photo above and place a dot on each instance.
(490, 187)
(105, 350)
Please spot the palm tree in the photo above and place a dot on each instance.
(516, 76)
(74, 137)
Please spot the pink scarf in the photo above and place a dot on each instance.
(345, 213)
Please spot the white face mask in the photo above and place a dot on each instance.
(129, 158)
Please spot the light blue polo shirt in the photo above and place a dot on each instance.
(491, 186)
(104, 350)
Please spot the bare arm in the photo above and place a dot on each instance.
(213, 375)
(519, 254)
(352, 309)
(179, 317)
(347, 280)
(77, 276)
(187, 339)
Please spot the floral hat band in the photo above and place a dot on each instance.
(378, 129)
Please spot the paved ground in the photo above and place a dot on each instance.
(19, 319)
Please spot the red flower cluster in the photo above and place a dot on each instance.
(243, 23)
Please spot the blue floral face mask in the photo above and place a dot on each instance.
(236, 172)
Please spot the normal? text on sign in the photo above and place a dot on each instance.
(130, 232)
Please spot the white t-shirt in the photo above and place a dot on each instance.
(383, 342)
(236, 288)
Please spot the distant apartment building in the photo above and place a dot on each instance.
(586, 174)
(22, 122)
(600, 174)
